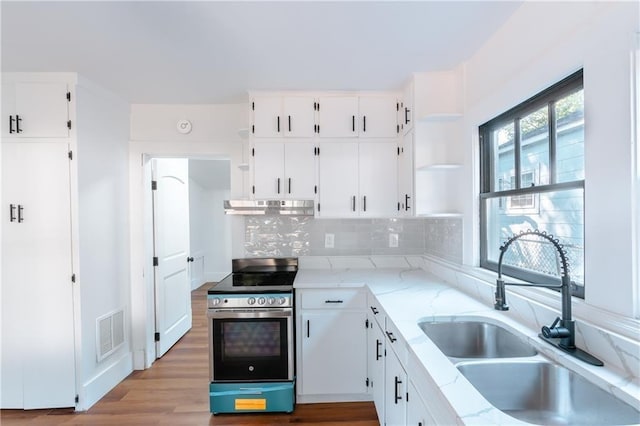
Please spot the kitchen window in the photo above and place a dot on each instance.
(532, 177)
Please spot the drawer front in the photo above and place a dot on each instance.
(333, 299)
(396, 342)
(375, 309)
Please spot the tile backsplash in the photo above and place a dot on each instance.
(267, 236)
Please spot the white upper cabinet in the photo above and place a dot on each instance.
(405, 117)
(377, 179)
(378, 116)
(35, 110)
(338, 116)
(405, 176)
(284, 170)
(288, 116)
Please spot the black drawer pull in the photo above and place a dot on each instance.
(397, 397)
(334, 301)
(378, 345)
(390, 336)
(374, 310)
(12, 212)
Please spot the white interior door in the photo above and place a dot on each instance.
(171, 247)
(38, 362)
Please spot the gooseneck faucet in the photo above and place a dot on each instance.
(561, 333)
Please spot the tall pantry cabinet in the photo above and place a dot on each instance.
(38, 341)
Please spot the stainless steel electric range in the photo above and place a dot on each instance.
(251, 339)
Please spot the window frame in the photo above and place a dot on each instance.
(548, 97)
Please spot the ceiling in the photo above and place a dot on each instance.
(208, 52)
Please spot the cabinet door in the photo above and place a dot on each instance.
(299, 171)
(375, 366)
(334, 345)
(417, 413)
(267, 117)
(298, 116)
(38, 363)
(338, 116)
(378, 117)
(405, 175)
(378, 179)
(396, 390)
(338, 177)
(35, 110)
(406, 111)
(268, 170)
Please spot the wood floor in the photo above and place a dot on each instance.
(174, 391)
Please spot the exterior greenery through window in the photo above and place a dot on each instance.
(532, 177)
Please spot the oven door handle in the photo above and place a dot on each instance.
(250, 313)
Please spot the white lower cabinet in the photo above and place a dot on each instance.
(395, 408)
(417, 413)
(332, 345)
(375, 366)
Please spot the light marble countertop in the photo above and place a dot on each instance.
(409, 295)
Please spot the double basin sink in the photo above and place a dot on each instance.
(508, 372)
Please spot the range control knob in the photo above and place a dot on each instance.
(261, 301)
(251, 300)
(215, 301)
(282, 300)
(271, 300)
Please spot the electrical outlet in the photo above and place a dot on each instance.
(393, 240)
(329, 240)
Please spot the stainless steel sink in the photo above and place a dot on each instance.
(546, 394)
(475, 339)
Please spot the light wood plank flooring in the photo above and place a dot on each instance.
(174, 391)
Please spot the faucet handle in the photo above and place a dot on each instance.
(554, 331)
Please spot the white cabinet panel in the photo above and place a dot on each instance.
(38, 368)
(277, 116)
(375, 366)
(395, 391)
(378, 116)
(378, 179)
(35, 110)
(405, 176)
(333, 346)
(338, 170)
(417, 413)
(338, 116)
(299, 171)
(268, 169)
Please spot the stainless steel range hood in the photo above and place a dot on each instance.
(269, 207)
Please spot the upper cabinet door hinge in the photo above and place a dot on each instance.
(70, 155)
(253, 152)
(69, 124)
(73, 278)
(253, 106)
(156, 337)
(154, 185)
(366, 324)
(155, 261)
(68, 96)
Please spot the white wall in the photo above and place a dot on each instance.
(211, 243)
(103, 203)
(538, 46)
(153, 133)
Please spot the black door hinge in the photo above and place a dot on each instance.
(318, 207)
(398, 205)
(397, 106)
(69, 124)
(366, 324)
(155, 261)
(69, 96)
(253, 128)
(253, 189)
(367, 382)
(73, 278)
(253, 106)
(253, 152)
(397, 128)
(315, 189)
(154, 185)
(398, 150)
(77, 399)
(156, 337)
(70, 155)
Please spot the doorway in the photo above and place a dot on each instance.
(191, 239)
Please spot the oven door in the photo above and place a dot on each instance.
(250, 345)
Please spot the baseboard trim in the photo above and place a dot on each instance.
(104, 381)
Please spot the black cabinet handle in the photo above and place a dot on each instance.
(406, 202)
(278, 185)
(390, 336)
(289, 117)
(18, 120)
(12, 212)
(364, 123)
(378, 344)
(406, 116)
(353, 203)
(353, 123)
(11, 120)
(334, 301)
(308, 327)
(397, 397)
(374, 310)
(278, 124)
(364, 203)
(20, 218)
